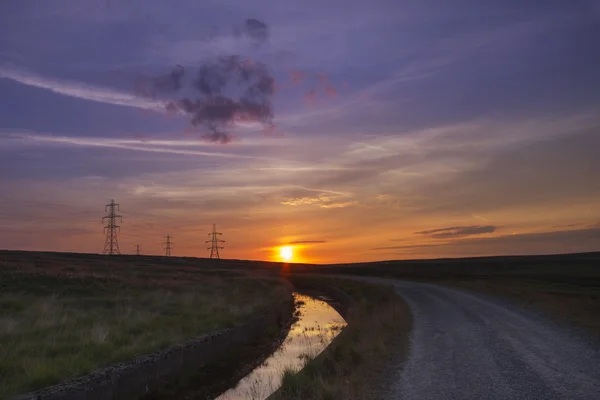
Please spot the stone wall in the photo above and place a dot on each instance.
(148, 373)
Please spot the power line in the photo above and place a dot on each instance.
(214, 243)
(111, 246)
(167, 245)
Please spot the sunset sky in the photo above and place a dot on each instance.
(402, 129)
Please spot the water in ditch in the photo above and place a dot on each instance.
(316, 326)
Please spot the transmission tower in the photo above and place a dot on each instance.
(214, 243)
(137, 250)
(167, 245)
(111, 246)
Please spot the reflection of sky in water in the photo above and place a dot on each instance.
(317, 325)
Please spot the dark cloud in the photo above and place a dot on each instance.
(256, 30)
(457, 231)
(215, 109)
(167, 83)
(228, 89)
(308, 242)
(568, 225)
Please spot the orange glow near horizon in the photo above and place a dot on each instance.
(286, 253)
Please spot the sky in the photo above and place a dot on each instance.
(400, 129)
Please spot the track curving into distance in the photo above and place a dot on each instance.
(470, 346)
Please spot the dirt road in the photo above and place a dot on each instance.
(467, 346)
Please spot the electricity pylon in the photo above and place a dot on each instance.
(214, 243)
(137, 250)
(167, 245)
(111, 246)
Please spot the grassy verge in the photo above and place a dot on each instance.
(355, 365)
(67, 320)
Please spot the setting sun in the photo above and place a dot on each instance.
(286, 253)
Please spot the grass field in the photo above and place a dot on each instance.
(62, 316)
(355, 365)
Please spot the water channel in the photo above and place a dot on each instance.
(316, 326)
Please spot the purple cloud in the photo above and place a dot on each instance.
(457, 231)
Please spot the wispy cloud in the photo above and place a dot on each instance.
(301, 201)
(326, 199)
(308, 242)
(457, 231)
(80, 90)
(525, 243)
(480, 217)
(154, 146)
(340, 205)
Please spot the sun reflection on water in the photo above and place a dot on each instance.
(317, 325)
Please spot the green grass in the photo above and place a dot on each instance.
(355, 363)
(71, 317)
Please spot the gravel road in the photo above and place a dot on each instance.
(468, 346)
